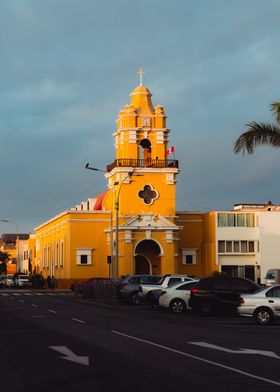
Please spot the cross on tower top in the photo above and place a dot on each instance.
(141, 72)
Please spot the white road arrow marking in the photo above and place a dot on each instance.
(70, 356)
(239, 351)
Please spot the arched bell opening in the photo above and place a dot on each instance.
(145, 150)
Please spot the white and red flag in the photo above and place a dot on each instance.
(170, 151)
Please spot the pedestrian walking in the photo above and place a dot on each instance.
(48, 282)
(52, 282)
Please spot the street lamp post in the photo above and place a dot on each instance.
(87, 166)
(129, 174)
(117, 219)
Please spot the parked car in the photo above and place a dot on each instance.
(272, 277)
(168, 280)
(220, 293)
(263, 306)
(94, 287)
(22, 280)
(130, 284)
(176, 297)
(7, 281)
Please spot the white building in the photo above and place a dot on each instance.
(248, 240)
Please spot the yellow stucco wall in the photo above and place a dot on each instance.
(210, 251)
(62, 236)
(191, 237)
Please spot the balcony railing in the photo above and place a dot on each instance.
(158, 163)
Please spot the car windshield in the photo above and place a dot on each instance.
(260, 290)
(270, 275)
(161, 280)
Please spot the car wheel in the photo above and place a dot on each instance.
(206, 309)
(263, 316)
(134, 299)
(177, 305)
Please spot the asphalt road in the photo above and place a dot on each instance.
(56, 342)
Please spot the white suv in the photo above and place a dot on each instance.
(22, 281)
(145, 291)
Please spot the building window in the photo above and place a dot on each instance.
(44, 257)
(221, 247)
(189, 259)
(61, 254)
(244, 247)
(251, 247)
(236, 220)
(56, 257)
(148, 194)
(231, 220)
(84, 256)
(48, 257)
(250, 220)
(240, 220)
(83, 259)
(189, 256)
(228, 246)
(222, 220)
(236, 246)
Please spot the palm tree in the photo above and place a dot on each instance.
(4, 258)
(260, 133)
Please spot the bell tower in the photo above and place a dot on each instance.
(141, 143)
(143, 184)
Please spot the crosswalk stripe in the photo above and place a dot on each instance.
(33, 294)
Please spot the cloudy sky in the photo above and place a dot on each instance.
(68, 66)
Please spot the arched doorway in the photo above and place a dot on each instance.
(147, 257)
(142, 265)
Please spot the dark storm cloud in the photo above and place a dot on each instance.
(67, 67)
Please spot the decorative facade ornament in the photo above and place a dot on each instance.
(148, 194)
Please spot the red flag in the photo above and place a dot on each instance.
(170, 151)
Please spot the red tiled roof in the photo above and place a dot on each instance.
(99, 201)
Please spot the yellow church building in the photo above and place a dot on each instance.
(133, 226)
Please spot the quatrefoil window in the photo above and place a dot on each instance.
(148, 194)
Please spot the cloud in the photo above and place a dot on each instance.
(68, 67)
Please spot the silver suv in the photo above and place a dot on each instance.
(130, 284)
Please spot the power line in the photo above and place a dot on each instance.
(45, 201)
(190, 202)
(57, 210)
